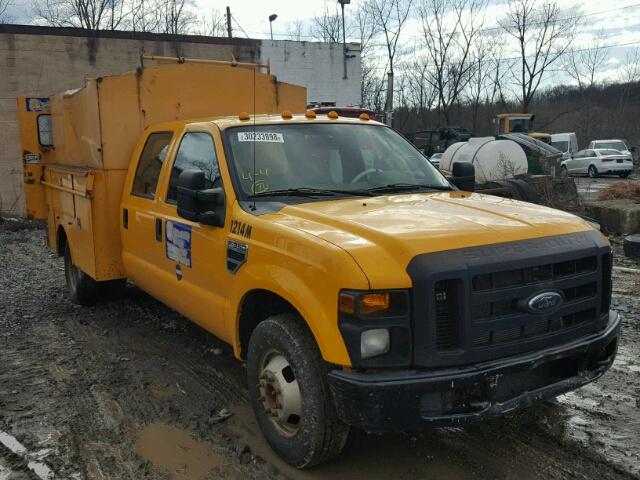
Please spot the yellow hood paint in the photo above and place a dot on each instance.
(384, 233)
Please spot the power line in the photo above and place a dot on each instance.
(576, 50)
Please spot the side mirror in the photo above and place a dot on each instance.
(464, 176)
(197, 204)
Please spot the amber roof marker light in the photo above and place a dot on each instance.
(310, 114)
(332, 115)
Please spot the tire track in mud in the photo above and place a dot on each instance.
(90, 380)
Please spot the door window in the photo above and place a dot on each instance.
(150, 164)
(196, 152)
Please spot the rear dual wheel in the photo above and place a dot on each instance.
(290, 395)
(83, 289)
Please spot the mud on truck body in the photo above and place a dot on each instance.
(362, 287)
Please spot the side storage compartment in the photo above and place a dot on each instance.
(83, 203)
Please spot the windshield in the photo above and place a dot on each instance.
(616, 145)
(337, 158)
(562, 145)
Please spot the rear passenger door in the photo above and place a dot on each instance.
(142, 246)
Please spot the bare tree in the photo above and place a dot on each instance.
(215, 25)
(390, 17)
(484, 80)
(296, 30)
(140, 16)
(362, 25)
(583, 67)
(543, 34)
(178, 16)
(450, 30)
(328, 26)
(89, 14)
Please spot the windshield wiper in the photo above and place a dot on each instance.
(399, 187)
(295, 192)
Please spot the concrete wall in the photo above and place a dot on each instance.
(318, 66)
(39, 61)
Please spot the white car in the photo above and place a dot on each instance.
(435, 159)
(594, 162)
(613, 144)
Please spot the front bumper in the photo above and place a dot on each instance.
(418, 399)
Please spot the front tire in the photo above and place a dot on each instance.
(593, 171)
(290, 395)
(83, 289)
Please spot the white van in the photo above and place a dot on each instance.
(567, 143)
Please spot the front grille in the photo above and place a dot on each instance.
(536, 274)
(473, 304)
(500, 320)
(534, 329)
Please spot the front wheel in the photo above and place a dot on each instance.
(593, 171)
(83, 289)
(290, 395)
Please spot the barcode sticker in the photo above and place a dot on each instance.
(269, 137)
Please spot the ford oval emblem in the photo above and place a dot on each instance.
(545, 302)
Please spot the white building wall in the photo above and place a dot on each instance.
(318, 66)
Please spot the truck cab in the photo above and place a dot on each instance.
(362, 288)
(519, 123)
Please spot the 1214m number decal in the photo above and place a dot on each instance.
(241, 228)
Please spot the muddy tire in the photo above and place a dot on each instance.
(593, 171)
(83, 289)
(290, 395)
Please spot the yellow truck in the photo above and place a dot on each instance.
(362, 287)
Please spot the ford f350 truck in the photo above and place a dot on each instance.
(362, 287)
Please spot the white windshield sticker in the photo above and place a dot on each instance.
(269, 137)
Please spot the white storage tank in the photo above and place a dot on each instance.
(493, 159)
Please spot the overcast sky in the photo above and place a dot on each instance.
(616, 21)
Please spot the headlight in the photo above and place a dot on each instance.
(376, 327)
(374, 342)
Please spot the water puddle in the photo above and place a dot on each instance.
(374, 457)
(177, 452)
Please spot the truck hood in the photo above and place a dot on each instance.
(384, 233)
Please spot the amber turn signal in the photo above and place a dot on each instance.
(347, 303)
(374, 302)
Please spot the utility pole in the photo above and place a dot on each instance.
(389, 103)
(344, 40)
(229, 34)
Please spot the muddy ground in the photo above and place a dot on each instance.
(131, 390)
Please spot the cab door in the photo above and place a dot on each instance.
(194, 263)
